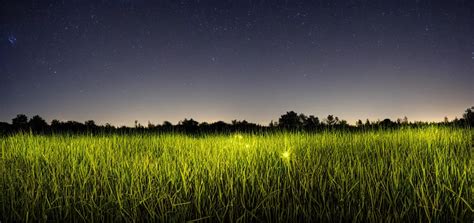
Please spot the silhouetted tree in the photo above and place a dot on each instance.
(38, 124)
(242, 126)
(446, 120)
(167, 126)
(151, 125)
(74, 126)
(405, 121)
(138, 125)
(55, 122)
(91, 126)
(468, 116)
(302, 119)
(20, 122)
(359, 123)
(311, 123)
(189, 125)
(56, 125)
(386, 123)
(342, 123)
(456, 121)
(367, 123)
(204, 126)
(219, 126)
(290, 121)
(90, 123)
(109, 127)
(330, 120)
(272, 124)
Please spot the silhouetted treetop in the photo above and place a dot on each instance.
(291, 120)
(38, 124)
(20, 122)
(469, 116)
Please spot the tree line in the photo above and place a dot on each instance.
(290, 121)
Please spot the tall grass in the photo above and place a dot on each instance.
(409, 174)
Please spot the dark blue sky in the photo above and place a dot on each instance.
(121, 60)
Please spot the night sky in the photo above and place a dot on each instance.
(118, 61)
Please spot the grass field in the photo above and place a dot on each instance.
(390, 175)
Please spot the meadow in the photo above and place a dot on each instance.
(409, 174)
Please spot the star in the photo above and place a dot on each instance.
(12, 40)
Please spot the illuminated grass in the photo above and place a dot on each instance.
(410, 174)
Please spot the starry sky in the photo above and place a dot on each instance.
(116, 61)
